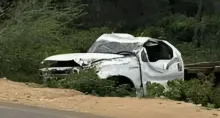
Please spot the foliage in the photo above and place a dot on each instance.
(155, 90)
(216, 97)
(37, 31)
(87, 81)
(34, 29)
(198, 91)
(174, 27)
(175, 90)
(179, 30)
(31, 30)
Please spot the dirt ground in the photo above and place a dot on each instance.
(113, 107)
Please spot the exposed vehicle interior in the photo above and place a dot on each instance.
(158, 51)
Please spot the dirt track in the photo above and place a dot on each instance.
(114, 107)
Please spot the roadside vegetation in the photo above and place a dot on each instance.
(88, 82)
(31, 30)
(198, 91)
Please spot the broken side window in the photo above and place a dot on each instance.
(161, 51)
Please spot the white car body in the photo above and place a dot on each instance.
(141, 67)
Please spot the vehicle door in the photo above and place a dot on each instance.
(160, 62)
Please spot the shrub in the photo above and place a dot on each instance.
(179, 30)
(37, 30)
(155, 32)
(87, 81)
(195, 90)
(198, 91)
(29, 36)
(155, 90)
(216, 97)
(173, 28)
(175, 90)
(123, 90)
(178, 27)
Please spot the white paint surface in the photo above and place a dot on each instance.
(128, 66)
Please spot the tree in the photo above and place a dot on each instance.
(196, 38)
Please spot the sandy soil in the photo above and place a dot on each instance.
(113, 107)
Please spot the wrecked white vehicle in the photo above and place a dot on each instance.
(133, 60)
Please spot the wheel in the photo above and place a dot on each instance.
(123, 82)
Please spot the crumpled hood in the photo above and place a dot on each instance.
(82, 58)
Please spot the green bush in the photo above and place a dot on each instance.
(123, 90)
(173, 28)
(28, 37)
(88, 82)
(155, 90)
(37, 30)
(216, 97)
(179, 30)
(178, 27)
(175, 90)
(198, 91)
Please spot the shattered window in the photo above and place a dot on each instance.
(112, 47)
(159, 52)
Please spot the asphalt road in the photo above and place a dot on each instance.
(8, 110)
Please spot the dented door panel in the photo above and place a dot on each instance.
(162, 70)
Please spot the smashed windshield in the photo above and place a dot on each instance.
(112, 47)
